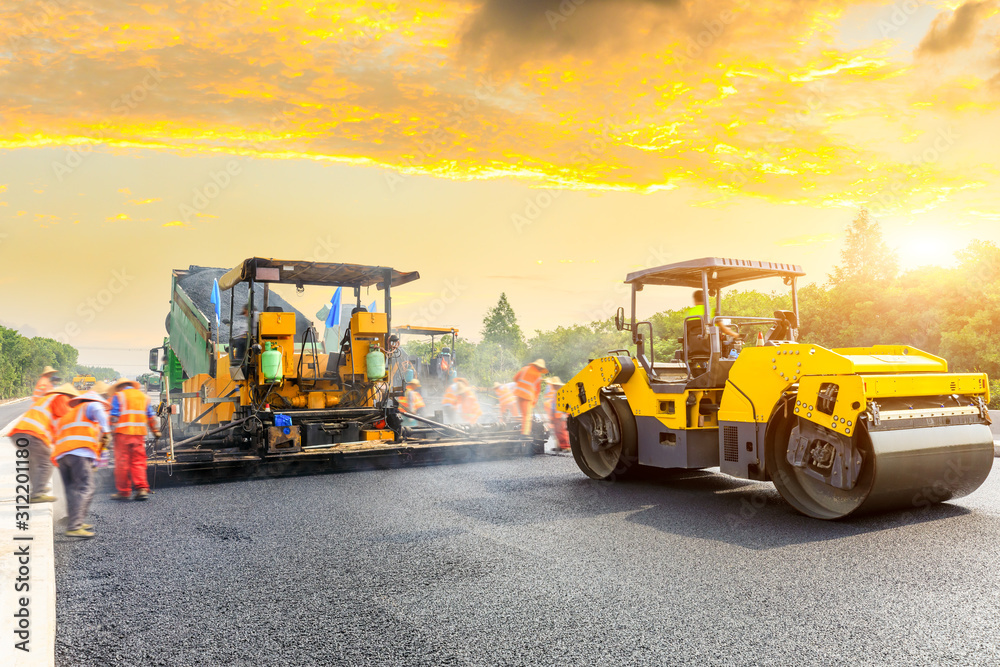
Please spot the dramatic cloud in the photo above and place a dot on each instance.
(515, 29)
(730, 96)
(956, 29)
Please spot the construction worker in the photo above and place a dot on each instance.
(548, 400)
(452, 399)
(44, 384)
(131, 414)
(412, 401)
(528, 385)
(556, 418)
(468, 401)
(508, 402)
(80, 436)
(38, 428)
(698, 310)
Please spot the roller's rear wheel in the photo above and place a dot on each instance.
(604, 441)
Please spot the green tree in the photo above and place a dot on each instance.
(866, 258)
(566, 350)
(22, 360)
(500, 327)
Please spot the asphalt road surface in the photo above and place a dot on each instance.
(523, 562)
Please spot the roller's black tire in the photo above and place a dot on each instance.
(618, 462)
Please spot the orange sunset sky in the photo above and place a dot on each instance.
(540, 148)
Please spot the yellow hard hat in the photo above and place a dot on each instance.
(48, 370)
(541, 364)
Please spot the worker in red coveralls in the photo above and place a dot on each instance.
(555, 417)
(38, 427)
(508, 403)
(132, 417)
(44, 384)
(528, 385)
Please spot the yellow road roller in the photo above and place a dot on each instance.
(838, 431)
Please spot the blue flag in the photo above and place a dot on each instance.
(374, 307)
(333, 317)
(216, 301)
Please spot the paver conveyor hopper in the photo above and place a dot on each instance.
(260, 395)
(838, 431)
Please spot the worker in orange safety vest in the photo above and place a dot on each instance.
(36, 432)
(527, 387)
(132, 418)
(468, 401)
(81, 435)
(44, 384)
(554, 416)
(452, 399)
(411, 401)
(508, 402)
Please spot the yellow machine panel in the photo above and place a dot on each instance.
(587, 384)
(277, 324)
(369, 324)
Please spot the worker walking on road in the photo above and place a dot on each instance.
(508, 402)
(44, 384)
(81, 435)
(528, 385)
(38, 428)
(556, 418)
(131, 414)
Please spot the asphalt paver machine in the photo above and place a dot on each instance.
(257, 393)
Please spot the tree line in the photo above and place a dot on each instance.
(22, 360)
(866, 300)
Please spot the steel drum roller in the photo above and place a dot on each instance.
(905, 468)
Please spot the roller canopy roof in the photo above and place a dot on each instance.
(721, 272)
(263, 270)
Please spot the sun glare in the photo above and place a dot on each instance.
(924, 249)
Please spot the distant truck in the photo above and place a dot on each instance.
(84, 382)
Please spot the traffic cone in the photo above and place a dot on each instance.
(760, 339)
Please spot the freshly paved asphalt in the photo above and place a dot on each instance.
(523, 562)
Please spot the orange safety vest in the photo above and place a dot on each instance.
(132, 417)
(414, 401)
(529, 383)
(471, 411)
(549, 401)
(451, 396)
(43, 386)
(75, 430)
(40, 419)
(506, 395)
